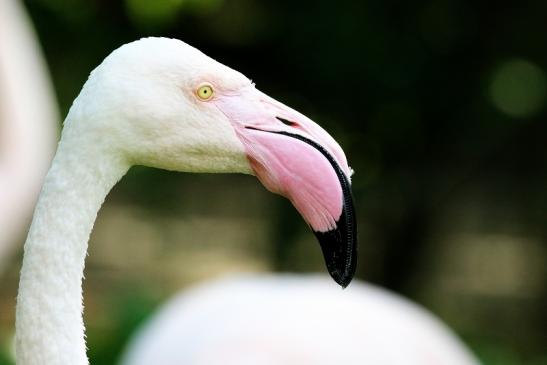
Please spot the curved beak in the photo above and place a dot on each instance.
(294, 157)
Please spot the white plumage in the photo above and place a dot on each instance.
(266, 319)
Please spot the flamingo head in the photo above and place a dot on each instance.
(165, 104)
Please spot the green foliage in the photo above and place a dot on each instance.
(127, 309)
(5, 359)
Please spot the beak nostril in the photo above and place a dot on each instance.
(287, 122)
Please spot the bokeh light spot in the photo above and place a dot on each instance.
(518, 88)
(160, 14)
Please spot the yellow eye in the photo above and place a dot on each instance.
(205, 92)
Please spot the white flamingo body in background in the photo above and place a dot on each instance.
(285, 319)
(28, 124)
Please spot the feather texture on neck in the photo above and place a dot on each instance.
(50, 327)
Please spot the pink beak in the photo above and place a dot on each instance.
(296, 158)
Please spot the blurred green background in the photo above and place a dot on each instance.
(440, 107)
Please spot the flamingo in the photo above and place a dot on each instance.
(265, 319)
(28, 124)
(162, 103)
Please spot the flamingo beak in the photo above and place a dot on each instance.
(294, 157)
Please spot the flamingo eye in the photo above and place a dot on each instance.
(205, 92)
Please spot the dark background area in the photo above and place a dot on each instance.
(440, 108)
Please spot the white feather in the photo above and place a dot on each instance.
(266, 319)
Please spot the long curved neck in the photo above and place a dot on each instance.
(49, 324)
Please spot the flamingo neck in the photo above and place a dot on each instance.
(49, 322)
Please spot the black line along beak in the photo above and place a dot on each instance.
(339, 245)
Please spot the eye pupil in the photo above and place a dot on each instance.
(205, 92)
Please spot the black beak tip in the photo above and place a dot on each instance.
(342, 279)
(340, 253)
